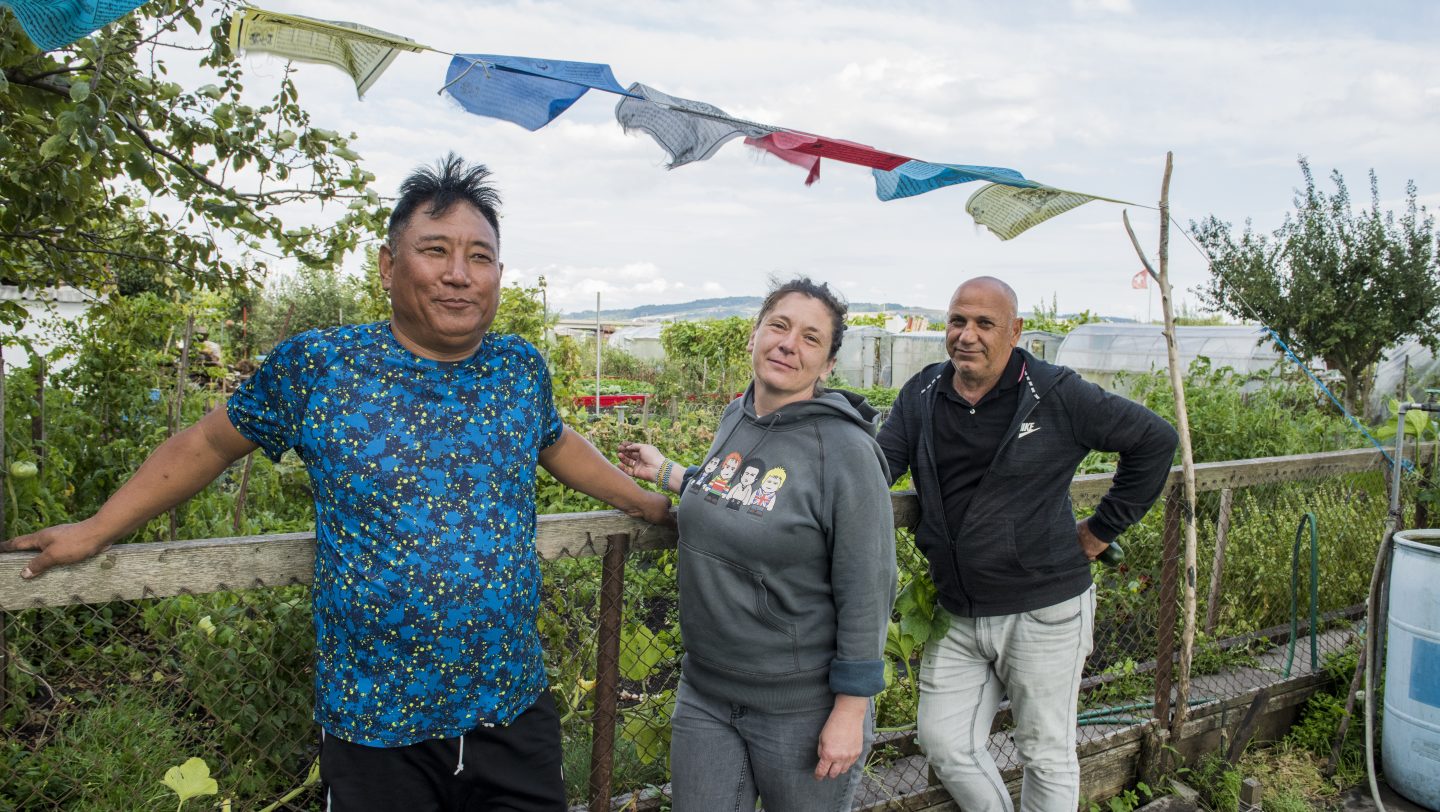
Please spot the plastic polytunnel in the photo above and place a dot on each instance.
(641, 341)
(1100, 351)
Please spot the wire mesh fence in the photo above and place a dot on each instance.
(100, 699)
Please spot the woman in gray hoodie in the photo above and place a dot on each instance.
(787, 577)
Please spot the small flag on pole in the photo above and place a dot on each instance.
(1141, 280)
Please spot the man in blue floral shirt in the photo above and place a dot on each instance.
(421, 436)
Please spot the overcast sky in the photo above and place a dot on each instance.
(1082, 94)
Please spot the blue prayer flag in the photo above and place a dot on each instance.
(529, 92)
(52, 24)
(918, 177)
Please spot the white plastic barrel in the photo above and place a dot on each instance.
(1410, 742)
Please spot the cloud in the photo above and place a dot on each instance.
(1106, 6)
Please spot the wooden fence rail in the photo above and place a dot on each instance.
(163, 569)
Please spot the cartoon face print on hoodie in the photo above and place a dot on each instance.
(719, 485)
(739, 494)
(698, 483)
(763, 500)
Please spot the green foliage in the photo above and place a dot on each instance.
(229, 646)
(719, 341)
(1194, 317)
(190, 780)
(1127, 801)
(1126, 684)
(869, 320)
(1420, 426)
(1283, 415)
(312, 298)
(919, 620)
(92, 133)
(522, 312)
(617, 363)
(642, 652)
(713, 352)
(1292, 780)
(1050, 320)
(880, 397)
(1343, 285)
(1211, 658)
(613, 386)
(108, 750)
(1319, 721)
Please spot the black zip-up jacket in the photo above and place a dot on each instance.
(1017, 549)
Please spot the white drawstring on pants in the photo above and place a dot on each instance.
(460, 763)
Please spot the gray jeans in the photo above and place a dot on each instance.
(1034, 657)
(723, 755)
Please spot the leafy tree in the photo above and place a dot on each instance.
(708, 356)
(1343, 285)
(309, 299)
(714, 341)
(522, 312)
(109, 166)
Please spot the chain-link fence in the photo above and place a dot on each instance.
(100, 699)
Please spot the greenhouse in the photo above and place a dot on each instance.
(641, 341)
(1100, 351)
(1409, 369)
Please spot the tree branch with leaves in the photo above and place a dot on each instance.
(106, 160)
(1344, 285)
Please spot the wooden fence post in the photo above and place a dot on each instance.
(1165, 622)
(607, 671)
(1217, 567)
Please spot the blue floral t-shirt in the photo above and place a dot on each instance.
(427, 583)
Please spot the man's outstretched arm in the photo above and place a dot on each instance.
(175, 471)
(578, 465)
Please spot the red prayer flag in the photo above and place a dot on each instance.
(806, 150)
(810, 163)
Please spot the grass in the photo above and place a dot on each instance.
(109, 753)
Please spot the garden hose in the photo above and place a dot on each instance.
(1112, 720)
(1308, 518)
(1109, 715)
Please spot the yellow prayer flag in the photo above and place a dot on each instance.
(359, 50)
(1008, 211)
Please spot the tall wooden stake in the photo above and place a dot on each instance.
(1187, 456)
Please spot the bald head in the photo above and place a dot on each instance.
(982, 327)
(989, 284)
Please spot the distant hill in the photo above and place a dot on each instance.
(727, 306)
(748, 306)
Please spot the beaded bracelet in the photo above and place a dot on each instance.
(662, 478)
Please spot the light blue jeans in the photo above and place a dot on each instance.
(1036, 659)
(723, 755)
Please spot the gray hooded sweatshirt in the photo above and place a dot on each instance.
(787, 557)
